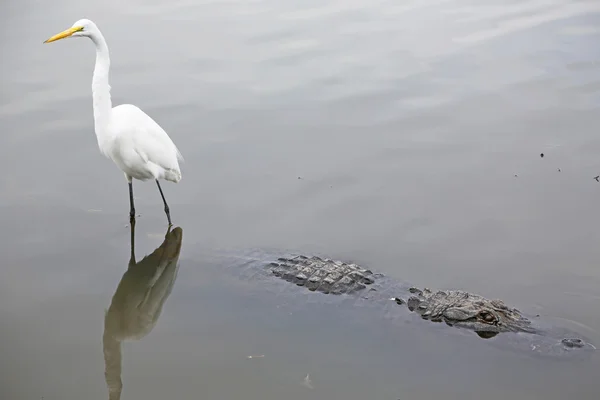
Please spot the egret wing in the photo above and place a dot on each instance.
(148, 139)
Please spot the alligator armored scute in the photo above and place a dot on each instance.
(456, 308)
(323, 275)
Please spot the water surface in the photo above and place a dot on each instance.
(405, 135)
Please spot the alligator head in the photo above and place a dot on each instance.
(466, 310)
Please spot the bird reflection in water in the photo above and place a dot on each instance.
(138, 302)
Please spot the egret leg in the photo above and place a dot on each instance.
(131, 206)
(132, 259)
(165, 202)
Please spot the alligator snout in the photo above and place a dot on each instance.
(573, 343)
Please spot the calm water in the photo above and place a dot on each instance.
(403, 134)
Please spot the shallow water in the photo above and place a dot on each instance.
(404, 135)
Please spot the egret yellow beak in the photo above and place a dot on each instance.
(64, 34)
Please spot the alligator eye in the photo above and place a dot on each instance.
(487, 317)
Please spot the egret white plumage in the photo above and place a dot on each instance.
(126, 135)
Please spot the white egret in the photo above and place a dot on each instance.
(126, 135)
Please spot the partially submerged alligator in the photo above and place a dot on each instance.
(456, 308)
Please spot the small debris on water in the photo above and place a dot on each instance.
(398, 300)
(559, 170)
(299, 177)
(597, 178)
(307, 382)
(260, 356)
(516, 176)
(542, 155)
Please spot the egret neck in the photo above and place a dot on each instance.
(101, 92)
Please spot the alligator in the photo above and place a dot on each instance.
(456, 308)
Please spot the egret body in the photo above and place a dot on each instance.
(126, 134)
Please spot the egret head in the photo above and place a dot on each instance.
(81, 28)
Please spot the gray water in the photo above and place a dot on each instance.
(403, 134)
